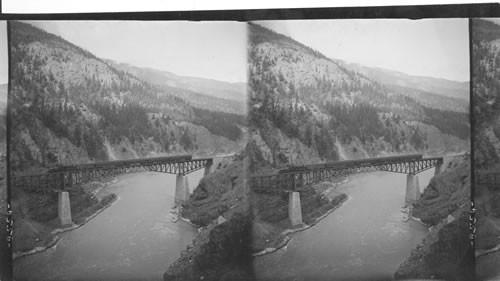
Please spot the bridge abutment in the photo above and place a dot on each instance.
(181, 189)
(412, 189)
(64, 209)
(294, 208)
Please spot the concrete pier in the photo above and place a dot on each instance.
(181, 189)
(294, 209)
(412, 189)
(64, 209)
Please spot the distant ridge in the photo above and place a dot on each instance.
(210, 87)
(440, 86)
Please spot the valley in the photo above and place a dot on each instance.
(308, 110)
(70, 107)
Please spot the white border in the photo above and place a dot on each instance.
(96, 6)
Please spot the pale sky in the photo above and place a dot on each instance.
(431, 47)
(4, 66)
(215, 50)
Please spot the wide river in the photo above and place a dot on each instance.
(134, 239)
(364, 239)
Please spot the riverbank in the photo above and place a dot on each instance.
(32, 236)
(445, 252)
(219, 207)
(282, 239)
(269, 236)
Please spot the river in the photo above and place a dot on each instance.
(364, 239)
(133, 239)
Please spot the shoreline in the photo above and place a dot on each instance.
(284, 236)
(53, 242)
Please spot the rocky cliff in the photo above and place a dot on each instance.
(446, 252)
(220, 207)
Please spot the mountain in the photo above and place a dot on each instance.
(486, 88)
(306, 108)
(210, 87)
(3, 99)
(69, 106)
(3, 117)
(443, 87)
(200, 92)
(486, 100)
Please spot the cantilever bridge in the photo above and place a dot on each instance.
(295, 179)
(62, 178)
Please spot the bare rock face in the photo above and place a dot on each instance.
(44, 148)
(279, 150)
(445, 193)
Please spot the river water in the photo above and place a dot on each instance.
(134, 239)
(364, 239)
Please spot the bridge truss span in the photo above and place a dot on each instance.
(67, 176)
(411, 167)
(299, 178)
(181, 168)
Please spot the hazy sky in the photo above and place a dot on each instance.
(432, 47)
(215, 50)
(4, 67)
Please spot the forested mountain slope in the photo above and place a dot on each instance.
(68, 106)
(3, 115)
(200, 92)
(486, 89)
(441, 87)
(486, 100)
(305, 107)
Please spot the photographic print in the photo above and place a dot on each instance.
(125, 153)
(359, 142)
(486, 114)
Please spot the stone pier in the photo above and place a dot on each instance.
(412, 189)
(209, 168)
(438, 170)
(294, 209)
(181, 189)
(64, 209)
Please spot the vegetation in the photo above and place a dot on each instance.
(61, 92)
(448, 122)
(220, 123)
(486, 87)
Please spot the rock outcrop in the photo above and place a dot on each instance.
(446, 252)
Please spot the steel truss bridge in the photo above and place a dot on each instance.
(301, 177)
(65, 177)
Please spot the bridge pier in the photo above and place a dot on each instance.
(64, 209)
(438, 170)
(181, 189)
(294, 208)
(209, 168)
(412, 189)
